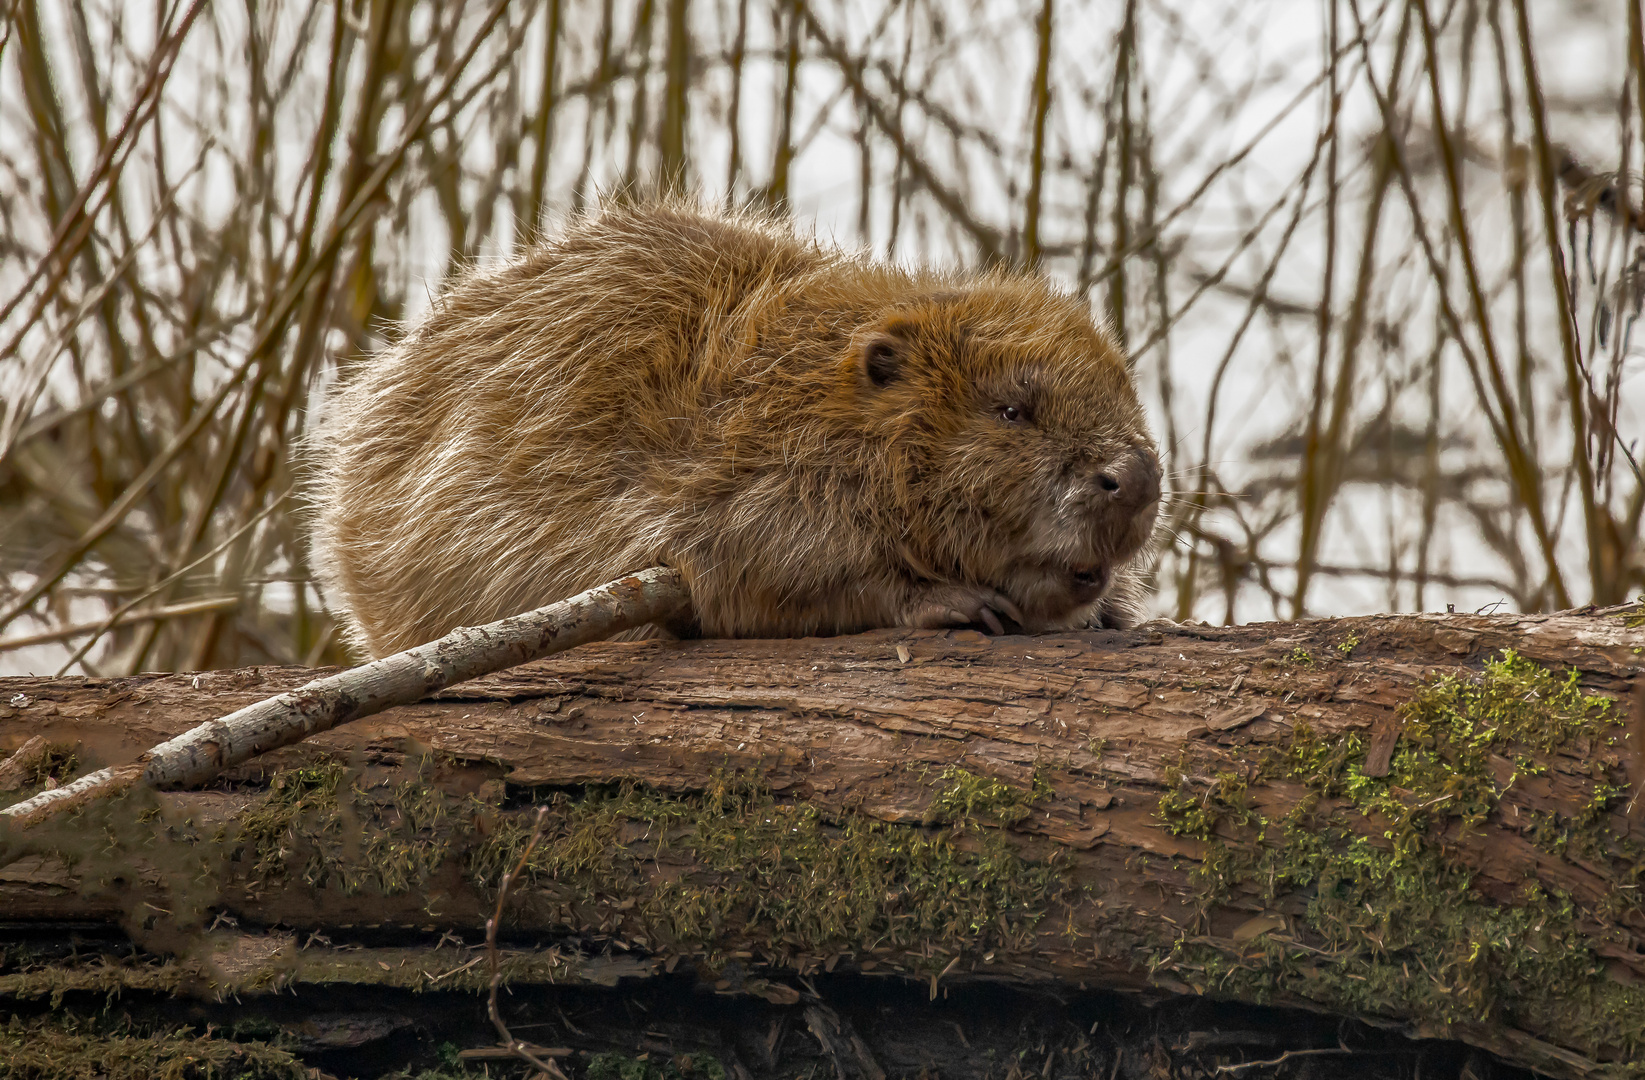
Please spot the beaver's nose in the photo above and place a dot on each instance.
(1132, 480)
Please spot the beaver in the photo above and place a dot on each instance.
(818, 442)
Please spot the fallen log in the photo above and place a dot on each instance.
(1427, 822)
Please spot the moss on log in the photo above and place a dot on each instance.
(1426, 822)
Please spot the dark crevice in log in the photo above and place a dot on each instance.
(679, 1028)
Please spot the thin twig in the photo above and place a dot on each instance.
(121, 612)
(124, 617)
(1289, 1054)
(513, 1045)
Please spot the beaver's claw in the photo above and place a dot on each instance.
(943, 606)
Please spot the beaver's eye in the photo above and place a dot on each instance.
(1013, 415)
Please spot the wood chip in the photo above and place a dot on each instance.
(18, 770)
(1237, 716)
(1085, 839)
(1253, 928)
(1384, 737)
(1456, 642)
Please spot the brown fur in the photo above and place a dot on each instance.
(663, 385)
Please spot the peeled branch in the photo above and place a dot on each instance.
(468, 652)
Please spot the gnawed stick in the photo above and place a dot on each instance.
(196, 756)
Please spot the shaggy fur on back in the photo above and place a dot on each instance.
(819, 443)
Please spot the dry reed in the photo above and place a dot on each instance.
(1380, 262)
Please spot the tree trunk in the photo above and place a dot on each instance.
(1427, 822)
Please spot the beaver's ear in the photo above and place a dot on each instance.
(881, 357)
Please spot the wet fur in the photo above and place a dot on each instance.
(664, 385)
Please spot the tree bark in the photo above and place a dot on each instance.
(1429, 822)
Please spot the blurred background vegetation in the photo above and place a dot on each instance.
(1379, 262)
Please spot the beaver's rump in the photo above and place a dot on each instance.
(554, 422)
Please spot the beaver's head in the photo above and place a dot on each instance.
(1018, 452)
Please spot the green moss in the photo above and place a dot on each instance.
(60, 1048)
(417, 970)
(54, 980)
(318, 825)
(969, 797)
(612, 1065)
(59, 764)
(782, 876)
(1391, 914)
(412, 969)
(1347, 645)
(1453, 729)
(1635, 620)
(1300, 657)
(452, 1067)
(1195, 812)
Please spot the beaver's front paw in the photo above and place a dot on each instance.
(941, 606)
